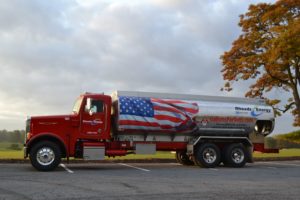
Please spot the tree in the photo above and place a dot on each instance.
(268, 52)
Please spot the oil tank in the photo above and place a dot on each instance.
(181, 114)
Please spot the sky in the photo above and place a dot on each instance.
(52, 51)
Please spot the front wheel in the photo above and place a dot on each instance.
(45, 156)
(207, 155)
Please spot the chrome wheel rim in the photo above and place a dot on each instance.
(45, 156)
(209, 155)
(237, 156)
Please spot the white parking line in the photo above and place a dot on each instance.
(142, 169)
(213, 169)
(67, 169)
(173, 164)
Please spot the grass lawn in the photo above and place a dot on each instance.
(13, 154)
(6, 151)
(282, 153)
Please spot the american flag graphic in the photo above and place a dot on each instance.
(152, 114)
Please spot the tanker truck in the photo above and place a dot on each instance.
(203, 130)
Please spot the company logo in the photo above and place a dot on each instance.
(254, 112)
(238, 108)
(258, 111)
(92, 122)
(242, 110)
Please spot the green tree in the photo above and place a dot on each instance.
(268, 52)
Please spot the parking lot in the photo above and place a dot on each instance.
(261, 180)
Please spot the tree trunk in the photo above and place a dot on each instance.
(297, 103)
(293, 84)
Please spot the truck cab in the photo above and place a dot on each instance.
(93, 112)
(47, 136)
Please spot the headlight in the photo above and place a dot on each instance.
(256, 128)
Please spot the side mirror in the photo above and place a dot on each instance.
(88, 105)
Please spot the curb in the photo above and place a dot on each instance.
(154, 160)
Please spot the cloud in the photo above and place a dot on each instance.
(50, 52)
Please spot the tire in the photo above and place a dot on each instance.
(183, 158)
(235, 155)
(45, 156)
(207, 155)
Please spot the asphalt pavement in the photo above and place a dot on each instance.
(261, 180)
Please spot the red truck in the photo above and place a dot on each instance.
(203, 130)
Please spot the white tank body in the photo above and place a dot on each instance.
(162, 113)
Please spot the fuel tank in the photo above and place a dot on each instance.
(164, 113)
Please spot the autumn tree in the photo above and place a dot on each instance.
(268, 53)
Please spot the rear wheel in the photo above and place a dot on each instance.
(183, 158)
(207, 155)
(235, 155)
(45, 156)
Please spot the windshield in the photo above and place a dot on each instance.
(77, 105)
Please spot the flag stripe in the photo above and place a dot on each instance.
(149, 124)
(177, 103)
(147, 119)
(154, 129)
(171, 109)
(190, 110)
(188, 107)
(170, 118)
(151, 114)
(171, 114)
(170, 101)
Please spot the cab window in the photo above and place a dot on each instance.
(97, 106)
